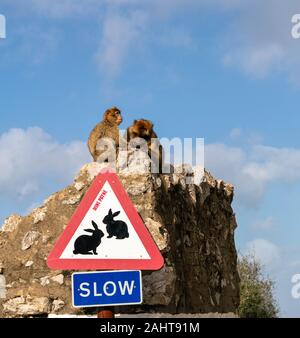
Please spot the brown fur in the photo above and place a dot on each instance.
(108, 127)
(144, 129)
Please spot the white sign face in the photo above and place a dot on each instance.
(110, 233)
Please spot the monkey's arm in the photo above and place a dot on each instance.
(128, 134)
(153, 134)
(96, 133)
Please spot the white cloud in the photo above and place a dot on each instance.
(177, 38)
(235, 133)
(259, 41)
(120, 36)
(258, 61)
(252, 168)
(31, 159)
(264, 251)
(265, 224)
(228, 163)
(36, 45)
(127, 27)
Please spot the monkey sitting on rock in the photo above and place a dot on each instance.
(144, 129)
(108, 128)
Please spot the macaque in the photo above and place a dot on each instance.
(107, 130)
(144, 129)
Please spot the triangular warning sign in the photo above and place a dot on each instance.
(105, 232)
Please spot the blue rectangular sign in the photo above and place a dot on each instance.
(106, 288)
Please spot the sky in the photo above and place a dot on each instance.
(224, 70)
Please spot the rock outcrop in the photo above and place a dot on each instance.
(192, 224)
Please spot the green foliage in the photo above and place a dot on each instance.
(256, 291)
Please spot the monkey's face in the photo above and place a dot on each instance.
(143, 128)
(114, 116)
(118, 117)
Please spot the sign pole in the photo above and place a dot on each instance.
(105, 313)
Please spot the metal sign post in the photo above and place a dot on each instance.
(105, 313)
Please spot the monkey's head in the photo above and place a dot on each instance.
(113, 116)
(143, 128)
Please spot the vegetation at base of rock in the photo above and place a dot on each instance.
(256, 290)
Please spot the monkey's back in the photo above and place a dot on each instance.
(102, 130)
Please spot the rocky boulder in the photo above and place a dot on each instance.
(192, 224)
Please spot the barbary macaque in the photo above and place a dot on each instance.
(143, 129)
(107, 130)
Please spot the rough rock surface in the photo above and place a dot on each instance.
(192, 224)
(27, 306)
(11, 223)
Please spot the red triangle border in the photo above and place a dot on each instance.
(156, 260)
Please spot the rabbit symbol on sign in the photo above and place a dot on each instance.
(84, 243)
(115, 228)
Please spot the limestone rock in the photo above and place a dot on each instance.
(11, 223)
(28, 264)
(2, 287)
(58, 279)
(29, 239)
(57, 305)
(27, 306)
(193, 225)
(138, 162)
(45, 280)
(72, 200)
(39, 215)
(159, 286)
(155, 230)
(79, 185)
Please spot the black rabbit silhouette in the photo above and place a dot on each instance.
(84, 243)
(115, 228)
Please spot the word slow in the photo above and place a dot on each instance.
(109, 288)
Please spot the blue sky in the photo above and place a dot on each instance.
(226, 70)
